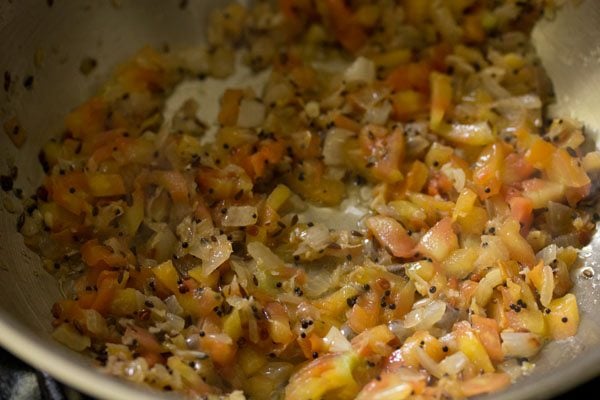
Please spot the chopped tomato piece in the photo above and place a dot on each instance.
(439, 241)
(392, 235)
(345, 27)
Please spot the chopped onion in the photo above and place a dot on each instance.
(371, 95)
(361, 70)
(221, 337)
(318, 281)
(162, 243)
(278, 93)
(476, 134)
(173, 324)
(188, 230)
(95, 322)
(240, 216)
(489, 80)
(242, 271)
(289, 298)
(416, 138)
(456, 175)
(173, 305)
(212, 252)
(428, 363)
(454, 364)
(507, 12)
(333, 147)
(548, 254)
(136, 370)
(191, 354)
(520, 344)
(240, 303)
(486, 286)
(263, 256)
(157, 303)
(157, 206)
(337, 341)
(378, 114)
(312, 109)
(70, 337)
(525, 102)
(278, 371)
(316, 237)
(251, 114)
(459, 64)
(411, 375)
(425, 315)
(444, 21)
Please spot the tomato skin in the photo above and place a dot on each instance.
(487, 171)
(324, 374)
(383, 152)
(148, 345)
(392, 235)
(96, 255)
(439, 241)
(441, 98)
(487, 330)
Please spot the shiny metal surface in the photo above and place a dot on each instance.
(49, 44)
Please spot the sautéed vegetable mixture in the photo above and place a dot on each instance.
(394, 214)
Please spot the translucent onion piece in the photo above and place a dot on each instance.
(213, 253)
(361, 70)
(337, 341)
(263, 256)
(426, 316)
(251, 113)
(428, 363)
(333, 147)
(454, 364)
(486, 286)
(520, 344)
(240, 216)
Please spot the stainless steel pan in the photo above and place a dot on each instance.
(47, 40)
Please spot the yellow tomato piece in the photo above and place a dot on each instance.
(460, 263)
(125, 302)
(166, 274)
(441, 98)
(251, 360)
(439, 241)
(472, 347)
(563, 319)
